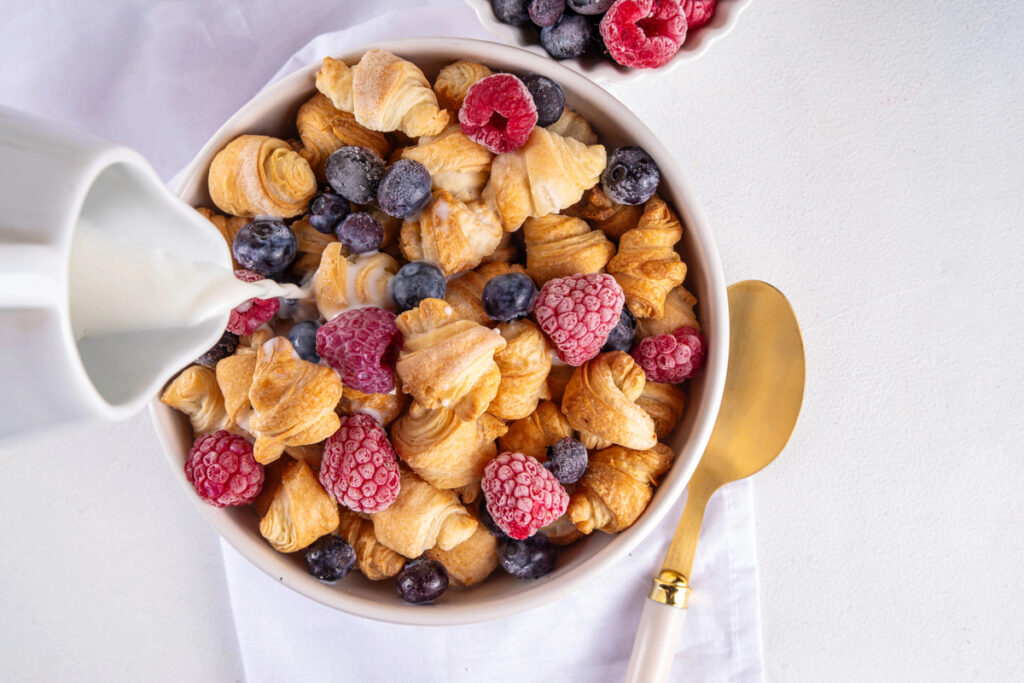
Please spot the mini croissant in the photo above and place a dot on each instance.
(385, 92)
(421, 518)
(546, 175)
(471, 561)
(465, 292)
(376, 561)
(355, 282)
(447, 362)
(324, 128)
(678, 313)
(572, 125)
(234, 377)
(616, 487)
(533, 434)
(256, 175)
(600, 403)
(597, 209)
(293, 401)
(647, 266)
(300, 511)
(665, 403)
(524, 364)
(195, 393)
(384, 408)
(455, 80)
(442, 449)
(454, 235)
(558, 246)
(456, 163)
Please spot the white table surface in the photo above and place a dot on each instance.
(869, 163)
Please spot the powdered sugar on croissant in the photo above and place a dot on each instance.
(358, 281)
(454, 235)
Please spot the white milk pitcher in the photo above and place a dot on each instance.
(108, 282)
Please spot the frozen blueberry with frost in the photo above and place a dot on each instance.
(527, 559)
(548, 97)
(589, 7)
(360, 232)
(509, 296)
(224, 347)
(514, 12)
(354, 173)
(623, 335)
(567, 460)
(265, 246)
(303, 339)
(415, 282)
(327, 211)
(330, 558)
(545, 12)
(566, 38)
(421, 581)
(404, 189)
(631, 176)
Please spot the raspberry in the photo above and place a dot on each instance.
(362, 345)
(249, 315)
(223, 470)
(498, 113)
(698, 12)
(671, 357)
(578, 312)
(521, 495)
(359, 469)
(643, 33)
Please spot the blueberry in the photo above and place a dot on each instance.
(589, 6)
(488, 520)
(623, 335)
(415, 282)
(526, 559)
(631, 176)
(330, 558)
(566, 38)
(360, 232)
(548, 97)
(514, 12)
(326, 211)
(546, 12)
(421, 581)
(265, 247)
(404, 189)
(224, 347)
(303, 339)
(567, 460)
(354, 173)
(509, 296)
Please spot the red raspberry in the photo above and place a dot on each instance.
(359, 468)
(245, 318)
(223, 470)
(698, 12)
(362, 345)
(643, 34)
(521, 495)
(671, 357)
(498, 113)
(578, 312)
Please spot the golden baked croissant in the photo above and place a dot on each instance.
(456, 163)
(376, 561)
(454, 235)
(455, 80)
(447, 362)
(384, 408)
(251, 343)
(227, 226)
(385, 92)
(597, 209)
(465, 292)
(524, 364)
(311, 244)
(422, 517)
(678, 313)
(665, 404)
(561, 531)
(256, 175)
(559, 376)
(300, 511)
(572, 125)
(324, 128)
(557, 246)
(355, 282)
(647, 266)
(311, 454)
(543, 176)
(471, 561)
(533, 434)
(195, 393)
(442, 449)
(292, 400)
(234, 377)
(616, 487)
(506, 250)
(600, 403)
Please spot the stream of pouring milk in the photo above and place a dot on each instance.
(117, 288)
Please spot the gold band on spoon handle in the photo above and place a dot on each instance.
(672, 585)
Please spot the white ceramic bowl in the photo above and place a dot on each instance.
(273, 112)
(727, 12)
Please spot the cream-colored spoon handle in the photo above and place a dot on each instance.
(655, 644)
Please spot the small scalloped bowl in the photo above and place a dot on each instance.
(273, 112)
(727, 13)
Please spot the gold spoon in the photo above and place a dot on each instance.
(764, 387)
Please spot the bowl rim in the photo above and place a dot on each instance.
(715, 314)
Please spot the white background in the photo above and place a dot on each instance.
(866, 160)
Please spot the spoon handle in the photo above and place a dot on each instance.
(655, 644)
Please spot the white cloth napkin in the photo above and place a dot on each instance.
(586, 636)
